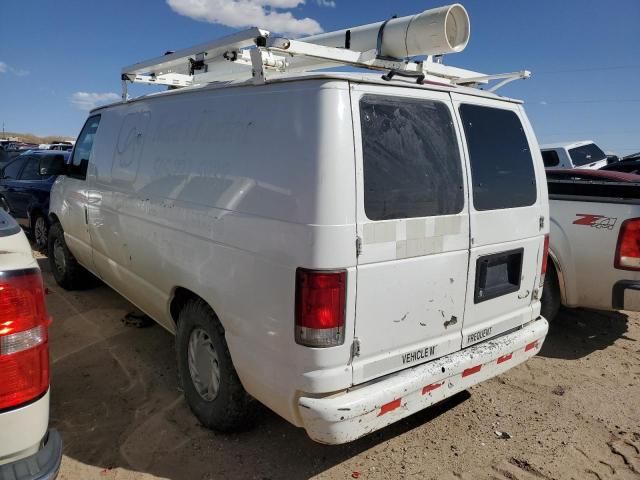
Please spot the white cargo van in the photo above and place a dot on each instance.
(345, 249)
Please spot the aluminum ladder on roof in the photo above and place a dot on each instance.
(256, 54)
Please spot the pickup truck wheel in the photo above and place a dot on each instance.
(69, 274)
(550, 294)
(211, 385)
(40, 232)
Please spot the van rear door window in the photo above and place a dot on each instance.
(501, 163)
(411, 160)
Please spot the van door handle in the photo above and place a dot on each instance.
(86, 216)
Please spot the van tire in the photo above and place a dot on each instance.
(231, 408)
(66, 270)
(550, 294)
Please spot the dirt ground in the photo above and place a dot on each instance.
(572, 412)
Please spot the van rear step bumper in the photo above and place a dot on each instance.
(345, 416)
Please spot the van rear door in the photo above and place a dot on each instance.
(413, 228)
(508, 208)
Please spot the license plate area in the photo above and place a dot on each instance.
(498, 274)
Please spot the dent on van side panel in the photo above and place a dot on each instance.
(233, 190)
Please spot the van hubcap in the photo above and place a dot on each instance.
(204, 365)
(40, 232)
(58, 256)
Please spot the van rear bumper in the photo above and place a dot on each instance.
(348, 415)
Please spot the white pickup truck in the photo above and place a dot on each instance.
(585, 154)
(594, 249)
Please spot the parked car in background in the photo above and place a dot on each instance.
(25, 184)
(13, 149)
(594, 249)
(628, 164)
(4, 157)
(612, 157)
(633, 156)
(63, 146)
(585, 154)
(28, 449)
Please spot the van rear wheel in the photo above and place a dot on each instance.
(211, 385)
(66, 270)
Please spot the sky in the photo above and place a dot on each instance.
(60, 58)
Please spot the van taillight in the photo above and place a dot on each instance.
(545, 258)
(628, 249)
(24, 351)
(320, 307)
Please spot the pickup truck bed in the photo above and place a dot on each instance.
(588, 210)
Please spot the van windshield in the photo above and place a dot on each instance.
(586, 154)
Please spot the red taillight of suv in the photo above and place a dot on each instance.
(24, 351)
(628, 249)
(545, 258)
(320, 307)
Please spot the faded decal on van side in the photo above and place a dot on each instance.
(413, 237)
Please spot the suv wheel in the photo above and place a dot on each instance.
(211, 385)
(40, 232)
(69, 274)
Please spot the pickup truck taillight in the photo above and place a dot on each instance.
(545, 258)
(320, 307)
(628, 249)
(24, 351)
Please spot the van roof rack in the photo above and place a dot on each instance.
(257, 54)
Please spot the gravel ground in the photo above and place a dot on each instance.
(572, 412)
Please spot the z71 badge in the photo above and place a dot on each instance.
(595, 221)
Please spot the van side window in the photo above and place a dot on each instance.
(501, 163)
(412, 164)
(550, 158)
(82, 151)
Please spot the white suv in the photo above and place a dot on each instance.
(28, 449)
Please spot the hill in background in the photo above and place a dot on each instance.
(31, 138)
